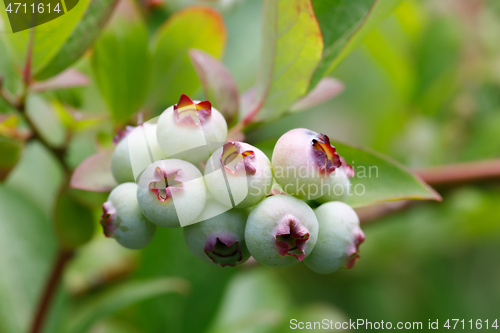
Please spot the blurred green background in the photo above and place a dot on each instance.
(424, 88)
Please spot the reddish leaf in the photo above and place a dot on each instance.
(217, 82)
(326, 89)
(94, 173)
(67, 79)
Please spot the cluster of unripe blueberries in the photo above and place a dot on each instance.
(230, 199)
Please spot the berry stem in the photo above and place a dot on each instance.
(63, 258)
(462, 173)
(442, 177)
(64, 255)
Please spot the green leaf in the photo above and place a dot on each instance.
(94, 173)
(218, 84)
(121, 297)
(67, 79)
(180, 310)
(379, 178)
(37, 177)
(10, 150)
(291, 50)
(121, 66)
(437, 65)
(325, 90)
(344, 24)
(48, 38)
(74, 223)
(173, 74)
(255, 301)
(27, 248)
(44, 117)
(82, 37)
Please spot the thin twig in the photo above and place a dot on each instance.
(63, 257)
(460, 174)
(441, 177)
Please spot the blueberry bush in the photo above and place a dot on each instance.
(219, 166)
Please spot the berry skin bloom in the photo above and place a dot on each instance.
(338, 239)
(281, 231)
(303, 162)
(220, 239)
(191, 130)
(123, 220)
(238, 175)
(121, 165)
(171, 193)
(341, 185)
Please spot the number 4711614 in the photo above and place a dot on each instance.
(478, 324)
(26, 8)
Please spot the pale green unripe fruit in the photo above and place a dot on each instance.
(191, 130)
(281, 231)
(238, 175)
(303, 162)
(340, 187)
(123, 220)
(338, 239)
(219, 240)
(121, 166)
(171, 193)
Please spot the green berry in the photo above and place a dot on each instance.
(171, 193)
(191, 130)
(220, 239)
(338, 239)
(136, 143)
(123, 220)
(238, 175)
(341, 185)
(281, 231)
(303, 162)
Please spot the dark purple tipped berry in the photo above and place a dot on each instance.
(123, 220)
(219, 239)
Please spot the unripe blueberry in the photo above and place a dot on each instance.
(171, 193)
(281, 231)
(303, 162)
(338, 239)
(341, 185)
(123, 220)
(238, 175)
(219, 240)
(121, 166)
(191, 130)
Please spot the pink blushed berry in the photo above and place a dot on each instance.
(303, 162)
